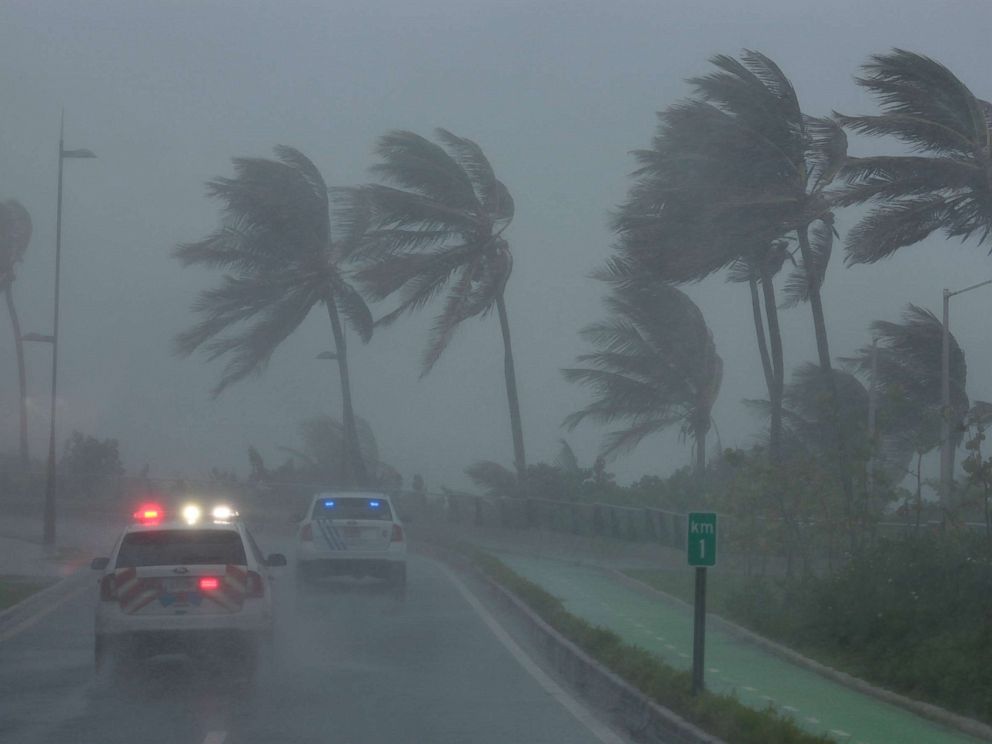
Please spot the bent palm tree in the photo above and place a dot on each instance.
(15, 234)
(276, 244)
(738, 166)
(908, 373)
(655, 366)
(441, 225)
(947, 187)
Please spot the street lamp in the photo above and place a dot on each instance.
(946, 452)
(49, 518)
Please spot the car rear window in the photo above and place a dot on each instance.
(181, 548)
(351, 507)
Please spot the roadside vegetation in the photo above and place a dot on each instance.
(14, 589)
(911, 615)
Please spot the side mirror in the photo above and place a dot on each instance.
(99, 564)
(275, 560)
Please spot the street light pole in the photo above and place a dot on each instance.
(49, 517)
(946, 451)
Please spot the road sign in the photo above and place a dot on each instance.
(701, 544)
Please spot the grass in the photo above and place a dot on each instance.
(14, 589)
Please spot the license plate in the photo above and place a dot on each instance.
(174, 586)
(353, 532)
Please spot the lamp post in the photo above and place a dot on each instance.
(946, 451)
(49, 518)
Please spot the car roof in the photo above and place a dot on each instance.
(349, 494)
(173, 525)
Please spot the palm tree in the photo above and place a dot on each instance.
(736, 167)
(15, 234)
(440, 225)
(323, 455)
(908, 373)
(946, 186)
(275, 241)
(655, 366)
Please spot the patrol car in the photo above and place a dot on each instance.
(191, 582)
(352, 533)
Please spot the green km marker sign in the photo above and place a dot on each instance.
(701, 545)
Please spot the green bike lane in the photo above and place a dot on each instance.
(733, 666)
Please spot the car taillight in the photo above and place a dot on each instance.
(108, 588)
(256, 589)
(209, 583)
(306, 534)
(397, 534)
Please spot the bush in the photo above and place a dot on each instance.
(913, 614)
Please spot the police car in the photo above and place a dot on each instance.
(191, 582)
(352, 533)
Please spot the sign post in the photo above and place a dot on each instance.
(701, 553)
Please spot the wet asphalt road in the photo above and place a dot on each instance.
(354, 665)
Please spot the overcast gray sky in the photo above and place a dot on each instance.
(556, 93)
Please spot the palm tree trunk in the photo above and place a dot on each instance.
(519, 459)
(357, 473)
(777, 377)
(759, 330)
(823, 351)
(700, 437)
(22, 379)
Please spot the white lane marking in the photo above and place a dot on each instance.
(215, 737)
(569, 703)
(838, 732)
(813, 720)
(660, 638)
(33, 619)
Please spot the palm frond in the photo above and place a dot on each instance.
(396, 208)
(456, 309)
(565, 460)
(826, 151)
(924, 105)
(491, 192)
(249, 351)
(897, 223)
(414, 162)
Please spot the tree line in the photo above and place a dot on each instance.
(737, 180)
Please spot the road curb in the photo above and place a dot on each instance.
(639, 717)
(925, 710)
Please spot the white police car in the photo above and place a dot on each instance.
(352, 533)
(190, 583)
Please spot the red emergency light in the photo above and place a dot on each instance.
(149, 514)
(209, 583)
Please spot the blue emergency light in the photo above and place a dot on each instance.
(329, 503)
(374, 504)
